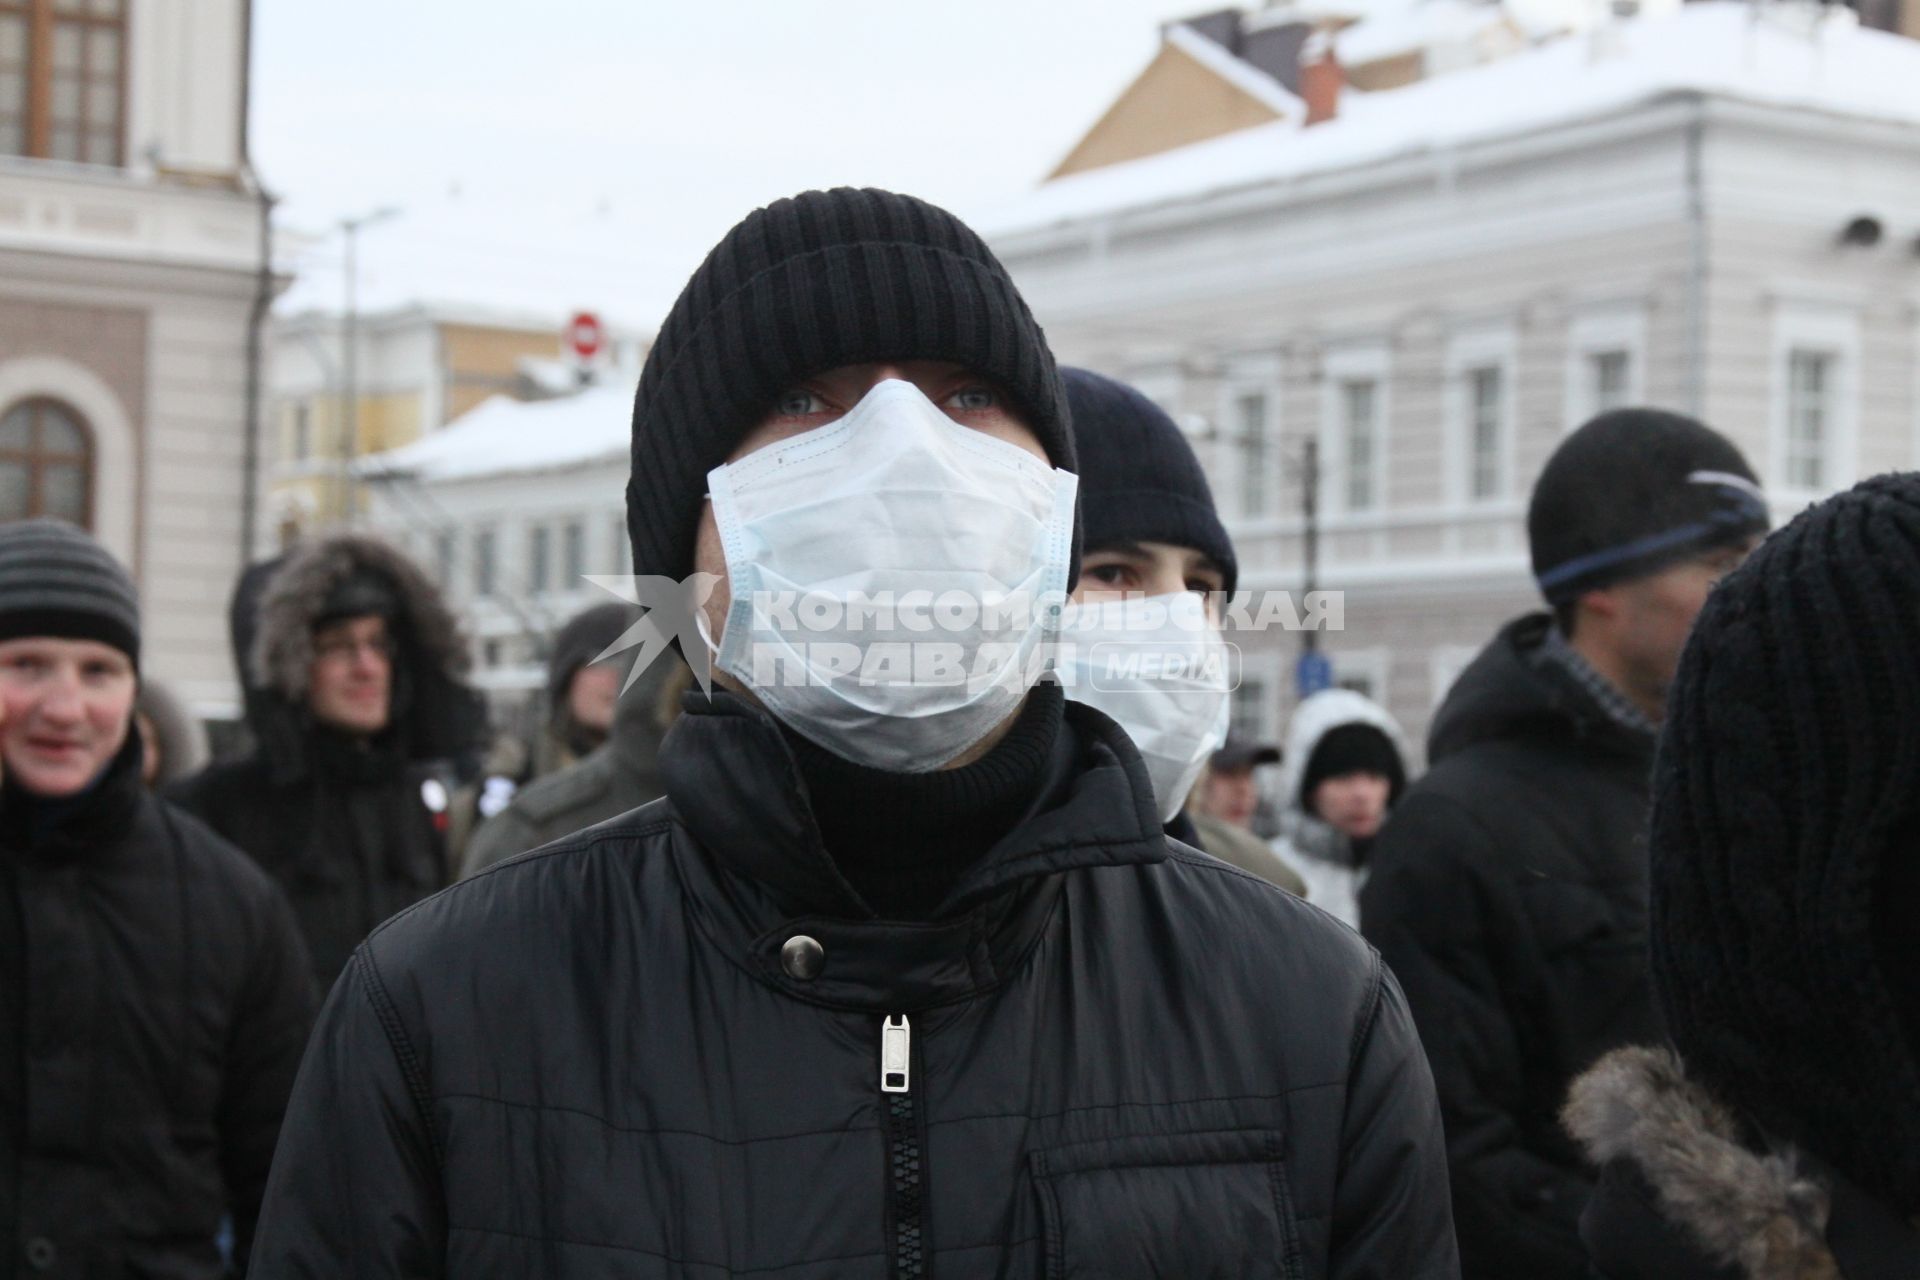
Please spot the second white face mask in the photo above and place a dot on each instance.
(898, 502)
(1159, 667)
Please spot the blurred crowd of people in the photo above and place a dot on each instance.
(1625, 984)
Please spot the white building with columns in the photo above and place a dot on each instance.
(133, 281)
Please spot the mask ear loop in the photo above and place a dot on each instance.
(706, 632)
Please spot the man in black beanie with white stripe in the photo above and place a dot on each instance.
(902, 977)
(1509, 889)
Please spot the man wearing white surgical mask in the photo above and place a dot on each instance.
(902, 978)
(1143, 644)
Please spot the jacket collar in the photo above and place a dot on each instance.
(1776, 1215)
(759, 873)
(79, 826)
(1506, 694)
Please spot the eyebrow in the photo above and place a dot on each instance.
(1133, 549)
(1209, 564)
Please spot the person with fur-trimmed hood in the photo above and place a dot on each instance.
(363, 724)
(1782, 1140)
(1344, 767)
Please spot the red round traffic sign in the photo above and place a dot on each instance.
(585, 336)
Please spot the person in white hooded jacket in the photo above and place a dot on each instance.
(1343, 769)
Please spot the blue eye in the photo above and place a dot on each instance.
(798, 403)
(972, 399)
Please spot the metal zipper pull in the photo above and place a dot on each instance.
(896, 1052)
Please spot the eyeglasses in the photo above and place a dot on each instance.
(347, 648)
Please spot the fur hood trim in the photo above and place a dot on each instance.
(1761, 1212)
(282, 651)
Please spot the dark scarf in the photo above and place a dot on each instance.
(903, 840)
(68, 826)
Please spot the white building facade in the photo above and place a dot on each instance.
(1440, 283)
(132, 283)
(511, 508)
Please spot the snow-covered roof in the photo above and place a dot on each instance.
(1415, 27)
(1717, 47)
(1249, 79)
(502, 435)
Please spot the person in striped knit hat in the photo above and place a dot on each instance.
(154, 992)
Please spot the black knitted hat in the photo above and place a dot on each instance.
(1140, 480)
(1353, 748)
(1788, 785)
(1634, 491)
(807, 284)
(55, 580)
(582, 639)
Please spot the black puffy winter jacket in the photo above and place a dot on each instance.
(1509, 894)
(154, 1002)
(1109, 1055)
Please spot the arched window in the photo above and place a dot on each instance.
(46, 463)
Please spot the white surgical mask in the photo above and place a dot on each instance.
(893, 502)
(1159, 667)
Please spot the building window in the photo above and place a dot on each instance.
(1609, 375)
(63, 79)
(302, 431)
(573, 553)
(1486, 433)
(46, 463)
(537, 560)
(1606, 361)
(1360, 438)
(443, 556)
(1247, 711)
(1250, 417)
(1810, 386)
(484, 566)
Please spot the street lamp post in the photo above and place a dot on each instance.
(350, 229)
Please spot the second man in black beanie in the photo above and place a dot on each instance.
(883, 985)
(1151, 530)
(1508, 890)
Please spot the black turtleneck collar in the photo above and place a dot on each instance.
(903, 840)
(71, 825)
(356, 760)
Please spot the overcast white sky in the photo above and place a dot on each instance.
(588, 153)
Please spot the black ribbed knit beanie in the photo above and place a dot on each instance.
(55, 580)
(1632, 492)
(1140, 480)
(808, 284)
(1358, 747)
(1785, 802)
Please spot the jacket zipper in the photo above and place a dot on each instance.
(906, 1180)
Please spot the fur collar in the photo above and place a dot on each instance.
(283, 646)
(1763, 1212)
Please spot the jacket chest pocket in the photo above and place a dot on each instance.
(1200, 1206)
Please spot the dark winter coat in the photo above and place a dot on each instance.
(156, 1003)
(1691, 1192)
(1509, 896)
(622, 773)
(354, 831)
(1116, 1057)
